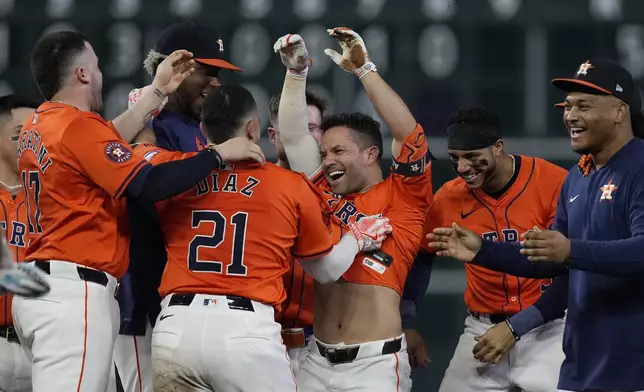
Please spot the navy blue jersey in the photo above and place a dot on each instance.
(603, 216)
(138, 295)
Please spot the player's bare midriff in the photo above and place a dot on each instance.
(352, 313)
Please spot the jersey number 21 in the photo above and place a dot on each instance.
(238, 221)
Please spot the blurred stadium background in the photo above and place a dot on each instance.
(437, 54)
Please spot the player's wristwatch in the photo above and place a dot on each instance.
(514, 333)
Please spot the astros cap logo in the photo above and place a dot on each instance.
(584, 68)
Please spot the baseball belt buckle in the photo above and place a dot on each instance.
(338, 356)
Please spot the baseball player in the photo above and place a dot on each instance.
(296, 316)
(499, 196)
(358, 344)
(175, 127)
(15, 368)
(74, 169)
(218, 319)
(597, 237)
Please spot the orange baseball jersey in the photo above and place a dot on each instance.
(74, 168)
(402, 197)
(13, 220)
(530, 200)
(236, 232)
(297, 309)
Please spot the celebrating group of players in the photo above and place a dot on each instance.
(171, 257)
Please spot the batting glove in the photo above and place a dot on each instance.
(354, 57)
(293, 54)
(135, 94)
(25, 280)
(370, 232)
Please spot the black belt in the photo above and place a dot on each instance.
(337, 356)
(9, 332)
(86, 274)
(234, 302)
(494, 318)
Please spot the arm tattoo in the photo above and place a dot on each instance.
(159, 93)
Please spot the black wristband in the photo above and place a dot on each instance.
(218, 162)
(514, 333)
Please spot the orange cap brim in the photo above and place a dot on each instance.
(219, 63)
(560, 83)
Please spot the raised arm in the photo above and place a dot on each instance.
(301, 148)
(389, 106)
(171, 72)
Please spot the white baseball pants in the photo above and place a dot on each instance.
(207, 345)
(69, 333)
(371, 371)
(133, 359)
(15, 368)
(532, 365)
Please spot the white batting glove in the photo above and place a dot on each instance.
(370, 232)
(25, 280)
(354, 57)
(135, 94)
(293, 54)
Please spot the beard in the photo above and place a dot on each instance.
(96, 104)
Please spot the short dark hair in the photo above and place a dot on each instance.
(223, 111)
(476, 115)
(364, 129)
(312, 99)
(16, 101)
(51, 59)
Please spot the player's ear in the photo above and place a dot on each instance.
(271, 134)
(252, 129)
(620, 115)
(371, 154)
(82, 75)
(497, 149)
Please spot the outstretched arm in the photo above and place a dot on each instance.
(389, 106)
(301, 148)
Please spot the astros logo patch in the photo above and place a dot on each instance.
(117, 152)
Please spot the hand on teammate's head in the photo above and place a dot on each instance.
(173, 70)
(239, 149)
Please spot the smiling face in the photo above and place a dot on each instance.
(192, 91)
(591, 119)
(476, 167)
(345, 164)
(10, 126)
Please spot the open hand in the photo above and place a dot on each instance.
(173, 70)
(354, 52)
(456, 242)
(545, 246)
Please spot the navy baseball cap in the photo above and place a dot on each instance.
(204, 42)
(601, 77)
